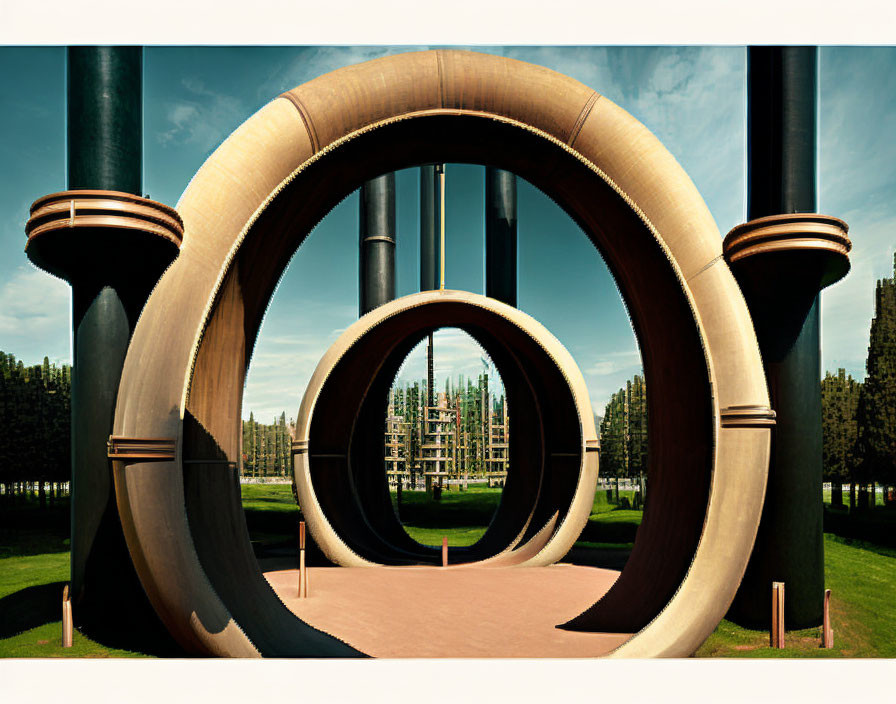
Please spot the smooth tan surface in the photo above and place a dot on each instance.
(255, 199)
(431, 612)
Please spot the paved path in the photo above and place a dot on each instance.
(462, 612)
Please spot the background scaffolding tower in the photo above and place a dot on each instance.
(497, 460)
(396, 445)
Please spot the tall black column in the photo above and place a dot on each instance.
(111, 245)
(430, 262)
(430, 225)
(500, 235)
(377, 232)
(105, 118)
(105, 144)
(781, 277)
(781, 116)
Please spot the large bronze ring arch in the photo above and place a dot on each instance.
(252, 203)
(339, 431)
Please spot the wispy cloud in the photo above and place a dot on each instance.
(857, 179)
(848, 306)
(311, 62)
(290, 344)
(607, 373)
(454, 353)
(205, 118)
(35, 312)
(691, 98)
(615, 362)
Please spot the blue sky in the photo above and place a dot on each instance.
(692, 98)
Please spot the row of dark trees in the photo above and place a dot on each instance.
(859, 419)
(35, 440)
(267, 448)
(623, 432)
(858, 422)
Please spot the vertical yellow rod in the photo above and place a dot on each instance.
(442, 230)
(67, 627)
(827, 631)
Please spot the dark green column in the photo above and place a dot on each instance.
(782, 291)
(377, 234)
(430, 219)
(105, 118)
(500, 235)
(111, 280)
(430, 261)
(105, 142)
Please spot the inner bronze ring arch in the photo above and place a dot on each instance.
(339, 472)
(681, 431)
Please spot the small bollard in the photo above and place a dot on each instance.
(67, 628)
(303, 573)
(444, 551)
(777, 631)
(827, 632)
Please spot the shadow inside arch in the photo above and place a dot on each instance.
(30, 607)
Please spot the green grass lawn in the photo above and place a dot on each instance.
(30, 611)
(34, 567)
(878, 496)
(462, 516)
(862, 580)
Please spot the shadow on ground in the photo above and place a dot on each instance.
(42, 604)
(30, 607)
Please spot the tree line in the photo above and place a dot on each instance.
(35, 414)
(623, 437)
(859, 419)
(623, 431)
(267, 449)
(858, 423)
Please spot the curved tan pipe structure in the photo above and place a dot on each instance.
(550, 491)
(252, 203)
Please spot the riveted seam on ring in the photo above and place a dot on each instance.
(580, 120)
(306, 119)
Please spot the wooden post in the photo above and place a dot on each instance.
(303, 575)
(827, 631)
(777, 632)
(67, 631)
(444, 551)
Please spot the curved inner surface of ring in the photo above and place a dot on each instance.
(681, 427)
(345, 442)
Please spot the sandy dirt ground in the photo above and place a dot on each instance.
(454, 612)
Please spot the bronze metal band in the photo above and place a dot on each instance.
(299, 447)
(306, 119)
(747, 417)
(586, 111)
(103, 209)
(380, 238)
(140, 449)
(777, 233)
